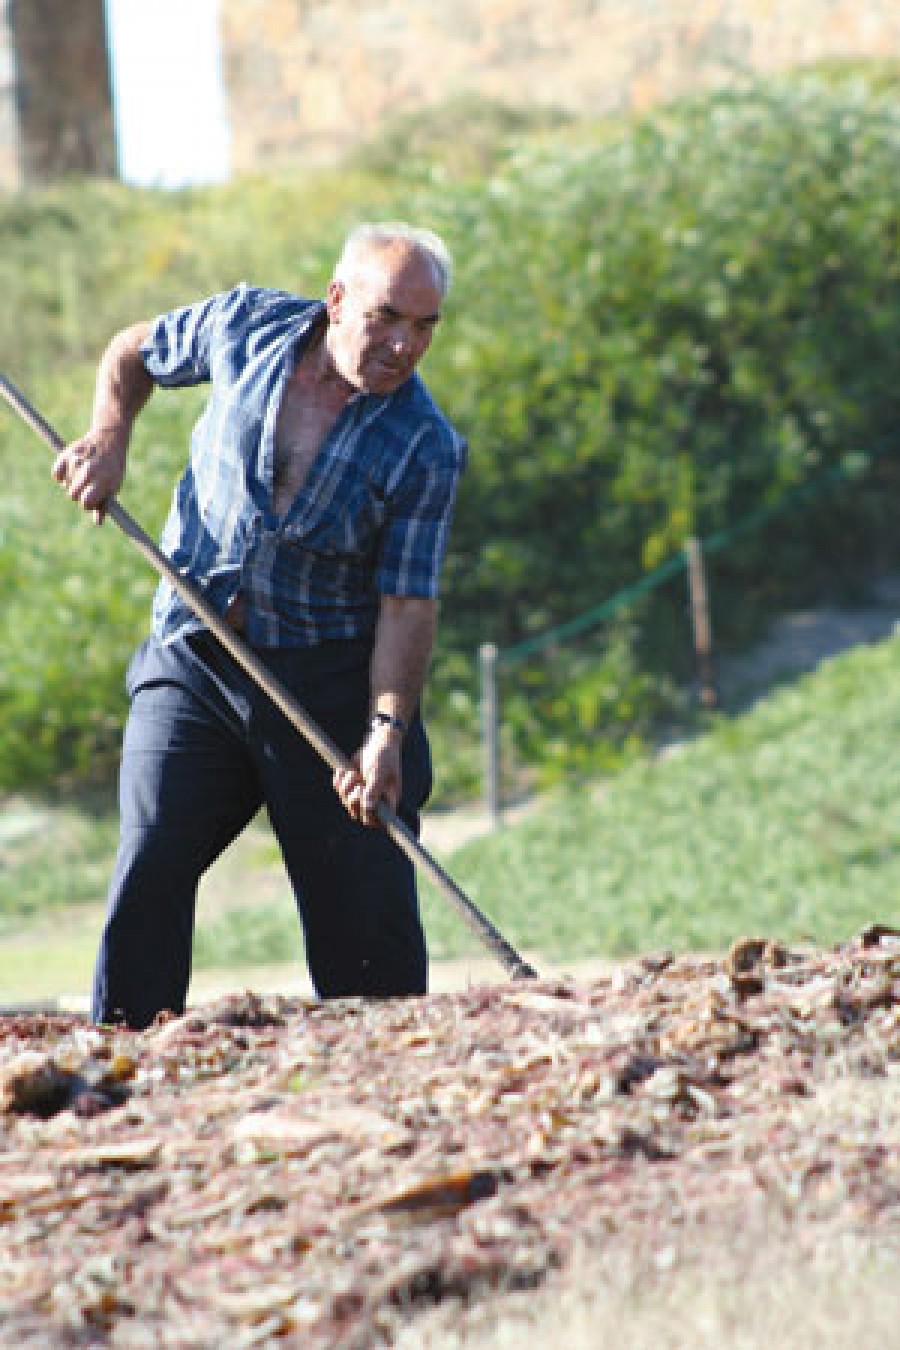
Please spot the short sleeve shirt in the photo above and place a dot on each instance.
(371, 518)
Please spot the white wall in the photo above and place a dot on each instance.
(168, 97)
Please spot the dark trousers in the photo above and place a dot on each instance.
(204, 748)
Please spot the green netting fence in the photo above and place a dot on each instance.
(495, 661)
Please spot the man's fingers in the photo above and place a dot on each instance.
(360, 799)
(90, 474)
(67, 464)
(348, 785)
(344, 780)
(369, 799)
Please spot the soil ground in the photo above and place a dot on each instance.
(688, 1152)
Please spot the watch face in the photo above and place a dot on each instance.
(383, 719)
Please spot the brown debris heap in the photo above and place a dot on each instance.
(279, 1170)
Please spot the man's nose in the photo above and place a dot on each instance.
(404, 339)
(401, 341)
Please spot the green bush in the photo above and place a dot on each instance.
(691, 320)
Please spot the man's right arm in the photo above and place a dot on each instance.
(92, 468)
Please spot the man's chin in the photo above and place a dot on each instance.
(383, 383)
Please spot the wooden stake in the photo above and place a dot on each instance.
(490, 731)
(700, 622)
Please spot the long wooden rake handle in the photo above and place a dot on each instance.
(402, 836)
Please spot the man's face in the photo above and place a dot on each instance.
(382, 317)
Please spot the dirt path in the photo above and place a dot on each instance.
(444, 977)
(799, 642)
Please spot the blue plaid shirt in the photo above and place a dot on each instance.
(370, 519)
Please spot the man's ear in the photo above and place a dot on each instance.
(333, 300)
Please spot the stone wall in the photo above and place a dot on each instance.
(306, 79)
(55, 101)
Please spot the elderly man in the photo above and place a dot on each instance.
(313, 513)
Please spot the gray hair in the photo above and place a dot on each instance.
(374, 235)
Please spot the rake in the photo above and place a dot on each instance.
(245, 656)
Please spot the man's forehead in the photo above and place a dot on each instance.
(388, 275)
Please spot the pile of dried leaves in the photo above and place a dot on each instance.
(267, 1171)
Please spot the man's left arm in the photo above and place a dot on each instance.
(404, 640)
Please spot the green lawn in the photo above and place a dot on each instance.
(784, 821)
(47, 965)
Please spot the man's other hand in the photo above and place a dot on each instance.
(373, 776)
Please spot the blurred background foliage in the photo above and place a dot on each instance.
(658, 326)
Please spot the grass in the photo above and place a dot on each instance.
(55, 855)
(48, 965)
(783, 821)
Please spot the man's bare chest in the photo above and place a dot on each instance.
(306, 418)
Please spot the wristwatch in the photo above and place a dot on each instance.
(384, 719)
